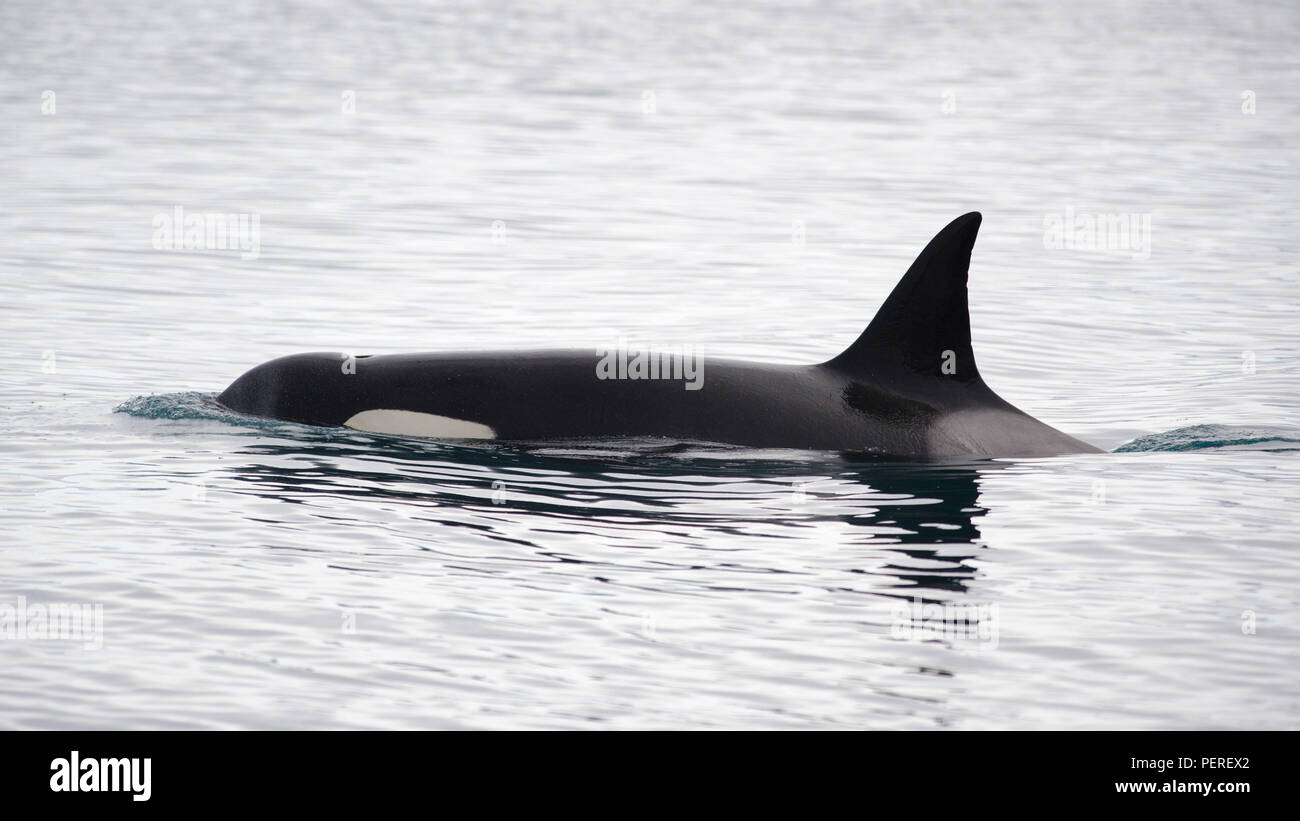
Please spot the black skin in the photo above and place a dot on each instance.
(908, 388)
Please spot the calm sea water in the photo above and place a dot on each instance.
(751, 180)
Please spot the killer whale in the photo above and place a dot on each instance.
(907, 388)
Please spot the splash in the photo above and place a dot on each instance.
(186, 405)
(194, 405)
(1216, 437)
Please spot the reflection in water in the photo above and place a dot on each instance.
(908, 529)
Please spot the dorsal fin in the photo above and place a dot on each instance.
(924, 325)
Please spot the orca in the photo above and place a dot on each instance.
(907, 388)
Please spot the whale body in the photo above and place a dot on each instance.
(908, 388)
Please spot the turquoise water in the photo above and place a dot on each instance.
(751, 181)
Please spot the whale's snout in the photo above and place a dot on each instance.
(251, 393)
(299, 388)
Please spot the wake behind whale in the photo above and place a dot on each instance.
(907, 388)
